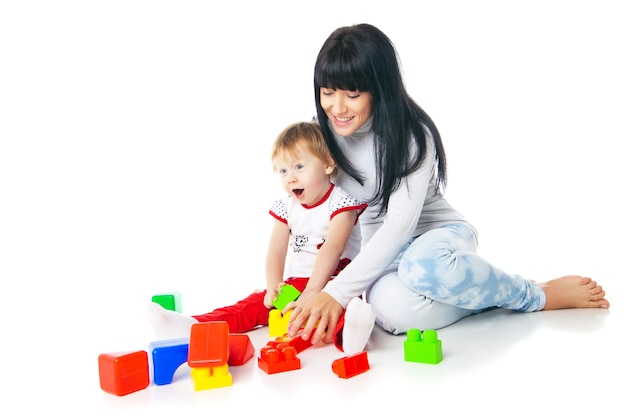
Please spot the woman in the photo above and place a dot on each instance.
(418, 265)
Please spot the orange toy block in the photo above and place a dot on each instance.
(351, 365)
(241, 349)
(211, 377)
(297, 342)
(278, 323)
(208, 344)
(124, 372)
(278, 359)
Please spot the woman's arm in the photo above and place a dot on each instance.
(399, 225)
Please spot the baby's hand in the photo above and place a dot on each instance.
(270, 295)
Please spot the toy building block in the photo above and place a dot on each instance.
(351, 365)
(241, 349)
(280, 358)
(422, 347)
(170, 301)
(287, 294)
(211, 377)
(167, 356)
(124, 372)
(297, 342)
(278, 323)
(208, 344)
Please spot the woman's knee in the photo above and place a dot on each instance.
(436, 261)
(398, 309)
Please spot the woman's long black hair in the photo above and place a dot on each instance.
(362, 58)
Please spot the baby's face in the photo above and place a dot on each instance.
(303, 175)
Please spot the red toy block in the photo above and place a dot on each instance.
(241, 349)
(124, 372)
(278, 359)
(351, 365)
(208, 344)
(297, 342)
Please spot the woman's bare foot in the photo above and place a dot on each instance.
(573, 291)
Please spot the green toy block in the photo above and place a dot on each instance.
(287, 294)
(170, 301)
(422, 347)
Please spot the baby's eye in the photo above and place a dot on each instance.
(282, 171)
(299, 167)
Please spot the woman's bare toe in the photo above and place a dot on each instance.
(573, 291)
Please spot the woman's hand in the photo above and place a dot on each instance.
(304, 299)
(319, 318)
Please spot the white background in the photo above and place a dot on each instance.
(135, 136)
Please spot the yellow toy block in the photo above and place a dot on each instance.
(211, 377)
(278, 323)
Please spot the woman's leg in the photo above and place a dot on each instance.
(399, 309)
(443, 265)
(439, 279)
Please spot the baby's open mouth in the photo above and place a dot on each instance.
(297, 191)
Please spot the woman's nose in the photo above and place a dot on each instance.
(339, 105)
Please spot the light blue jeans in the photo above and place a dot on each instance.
(438, 278)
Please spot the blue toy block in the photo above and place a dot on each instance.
(167, 356)
(422, 347)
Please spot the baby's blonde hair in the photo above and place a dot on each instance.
(306, 134)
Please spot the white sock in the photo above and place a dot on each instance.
(168, 324)
(358, 325)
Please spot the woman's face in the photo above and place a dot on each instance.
(347, 110)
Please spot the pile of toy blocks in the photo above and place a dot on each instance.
(210, 350)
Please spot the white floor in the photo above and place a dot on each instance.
(134, 141)
(566, 362)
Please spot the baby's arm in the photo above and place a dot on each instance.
(329, 254)
(275, 260)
